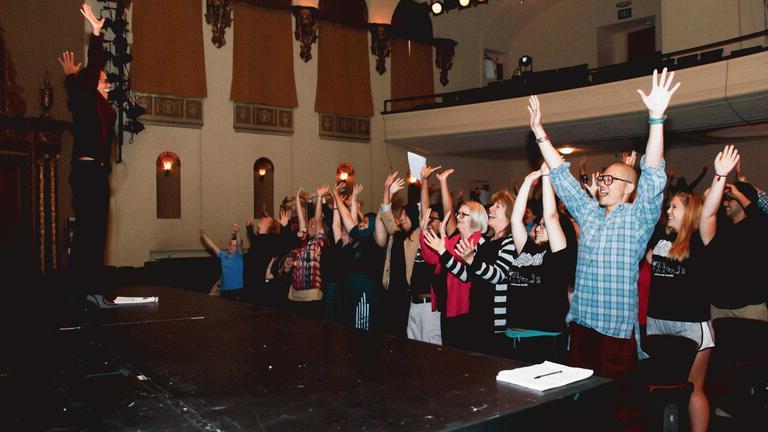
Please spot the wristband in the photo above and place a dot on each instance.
(657, 121)
(719, 176)
(542, 139)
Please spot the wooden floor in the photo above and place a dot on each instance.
(196, 362)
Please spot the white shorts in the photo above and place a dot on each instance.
(699, 332)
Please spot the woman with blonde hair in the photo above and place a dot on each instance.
(452, 290)
(676, 303)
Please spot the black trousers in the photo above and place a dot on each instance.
(90, 200)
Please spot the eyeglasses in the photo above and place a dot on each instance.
(541, 225)
(608, 179)
(460, 215)
(431, 218)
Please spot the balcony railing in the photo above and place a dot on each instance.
(581, 76)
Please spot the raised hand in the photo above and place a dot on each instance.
(534, 108)
(437, 240)
(67, 62)
(427, 171)
(322, 190)
(249, 222)
(443, 176)
(338, 191)
(356, 190)
(96, 23)
(299, 192)
(657, 100)
(629, 158)
(284, 217)
(235, 227)
(202, 231)
(726, 160)
(389, 180)
(425, 222)
(397, 185)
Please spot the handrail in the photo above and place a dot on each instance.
(457, 93)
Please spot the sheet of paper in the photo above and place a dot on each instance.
(135, 300)
(543, 376)
(416, 163)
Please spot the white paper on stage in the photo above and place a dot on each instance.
(135, 300)
(416, 163)
(543, 376)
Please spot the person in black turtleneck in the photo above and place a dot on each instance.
(94, 120)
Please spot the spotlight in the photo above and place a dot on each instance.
(566, 150)
(464, 3)
(343, 176)
(134, 111)
(437, 7)
(525, 61)
(133, 127)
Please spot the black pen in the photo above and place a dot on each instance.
(548, 374)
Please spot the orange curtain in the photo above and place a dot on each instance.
(168, 48)
(262, 70)
(343, 71)
(412, 73)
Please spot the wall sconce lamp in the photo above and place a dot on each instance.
(525, 62)
(306, 29)
(345, 173)
(262, 174)
(380, 45)
(218, 14)
(444, 52)
(167, 166)
(411, 179)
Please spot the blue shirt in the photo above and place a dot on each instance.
(231, 270)
(610, 249)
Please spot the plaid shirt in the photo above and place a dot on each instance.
(307, 282)
(762, 201)
(610, 249)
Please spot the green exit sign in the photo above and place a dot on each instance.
(625, 13)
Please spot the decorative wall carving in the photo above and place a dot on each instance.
(444, 50)
(171, 110)
(345, 127)
(262, 118)
(380, 45)
(11, 102)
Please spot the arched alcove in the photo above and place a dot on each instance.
(168, 180)
(263, 188)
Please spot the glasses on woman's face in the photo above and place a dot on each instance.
(461, 215)
(541, 225)
(608, 179)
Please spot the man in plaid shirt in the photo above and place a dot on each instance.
(614, 236)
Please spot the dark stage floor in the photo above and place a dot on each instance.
(195, 362)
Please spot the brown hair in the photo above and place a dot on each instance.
(508, 201)
(681, 247)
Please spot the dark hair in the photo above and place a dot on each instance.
(437, 208)
(412, 211)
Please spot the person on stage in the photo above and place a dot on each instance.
(94, 120)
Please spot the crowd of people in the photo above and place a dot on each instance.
(547, 271)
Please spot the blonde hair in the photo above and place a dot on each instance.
(681, 247)
(478, 217)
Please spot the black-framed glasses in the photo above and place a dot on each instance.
(608, 179)
(541, 225)
(460, 215)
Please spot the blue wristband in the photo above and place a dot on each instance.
(656, 121)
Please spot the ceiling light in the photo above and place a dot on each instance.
(566, 150)
(437, 8)
(525, 60)
(464, 3)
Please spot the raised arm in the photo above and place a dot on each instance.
(725, 161)
(551, 155)
(425, 173)
(208, 242)
(236, 232)
(447, 199)
(346, 216)
(336, 223)
(300, 213)
(89, 77)
(354, 204)
(519, 233)
(657, 102)
(392, 185)
(321, 191)
(555, 232)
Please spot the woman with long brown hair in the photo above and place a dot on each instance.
(677, 305)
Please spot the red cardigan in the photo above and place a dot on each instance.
(457, 299)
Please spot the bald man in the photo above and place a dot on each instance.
(614, 233)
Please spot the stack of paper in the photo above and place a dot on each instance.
(134, 300)
(543, 376)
